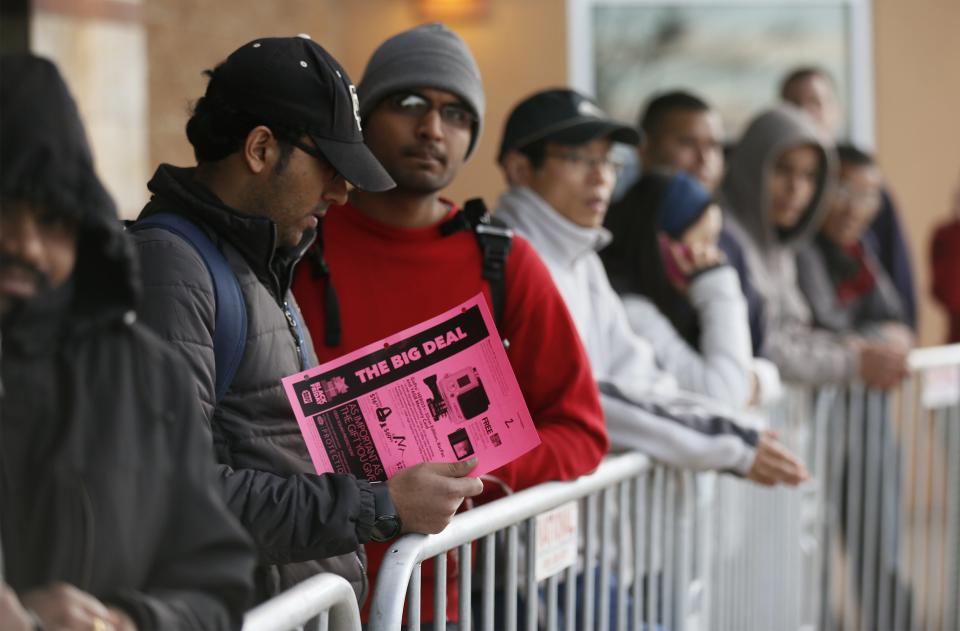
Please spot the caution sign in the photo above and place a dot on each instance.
(556, 540)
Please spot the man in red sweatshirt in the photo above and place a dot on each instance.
(396, 259)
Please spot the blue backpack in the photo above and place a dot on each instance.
(230, 324)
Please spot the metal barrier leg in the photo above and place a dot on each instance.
(623, 544)
(887, 535)
(936, 531)
(465, 587)
(951, 604)
(413, 598)
(552, 602)
(668, 552)
(533, 600)
(906, 458)
(606, 509)
(872, 518)
(489, 580)
(853, 525)
(921, 484)
(640, 514)
(653, 568)
(570, 599)
(439, 590)
(510, 597)
(588, 620)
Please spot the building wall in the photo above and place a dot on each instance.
(520, 46)
(917, 65)
(100, 47)
(186, 37)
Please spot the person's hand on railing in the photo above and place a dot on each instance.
(774, 464)
(63, 606)
(428, 494)
(883, 365)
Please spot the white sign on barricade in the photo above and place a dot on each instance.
(556, 540)
(941, 387)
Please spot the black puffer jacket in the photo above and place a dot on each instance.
(106, 476)
(296, 517)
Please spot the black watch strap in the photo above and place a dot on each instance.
(386, 521)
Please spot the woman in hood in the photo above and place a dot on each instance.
(680, 294)
(773, 197)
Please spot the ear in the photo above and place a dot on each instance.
(517, 167)
(260, 149)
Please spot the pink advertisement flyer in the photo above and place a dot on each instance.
(441, 391)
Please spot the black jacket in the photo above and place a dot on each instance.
(106, 477)
(295, 516)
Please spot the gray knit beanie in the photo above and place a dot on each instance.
(427, 56)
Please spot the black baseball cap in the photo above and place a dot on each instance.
(564, 116)
(294, 81)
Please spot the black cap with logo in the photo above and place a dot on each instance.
(563, 116)
(294, 81)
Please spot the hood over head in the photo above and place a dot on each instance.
(744, 189)
(47, 162)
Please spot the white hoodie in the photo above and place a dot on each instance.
(643, 405)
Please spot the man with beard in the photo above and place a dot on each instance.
(400, 257)
(276, 137)
(110, 513)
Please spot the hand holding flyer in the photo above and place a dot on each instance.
(440, 391)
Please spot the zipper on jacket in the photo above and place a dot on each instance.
(364, 582)
(295, 327)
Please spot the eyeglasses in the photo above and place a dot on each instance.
(315, 152)
(310, 150)
(584, 162)
(416, 106)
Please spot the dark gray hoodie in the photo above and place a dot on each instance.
(802, 353)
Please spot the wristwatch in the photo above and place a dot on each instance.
(386, 523)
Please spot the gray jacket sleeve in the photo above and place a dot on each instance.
(803, 353)
(677, 432)
(722, 367)
(291, 518)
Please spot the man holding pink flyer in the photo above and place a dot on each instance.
(277, 137)
(392, 260)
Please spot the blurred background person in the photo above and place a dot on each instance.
(679, 292)
(774, 197)
(813, 90)
(848, 290)
(682, 132)
(945, 261)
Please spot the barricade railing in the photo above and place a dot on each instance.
(871, 543)
(626, 567)
(891, 501)
(760, 545)
(325, 602)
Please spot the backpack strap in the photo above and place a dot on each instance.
(230, 325)
(332, 333)
(495, 240)
(493, 236)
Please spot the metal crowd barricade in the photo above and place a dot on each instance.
(631, 572)
(325, 602)
(761, 548)
(872, 543)
(891, 527)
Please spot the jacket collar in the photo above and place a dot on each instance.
(255, 238)
(551, 234)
